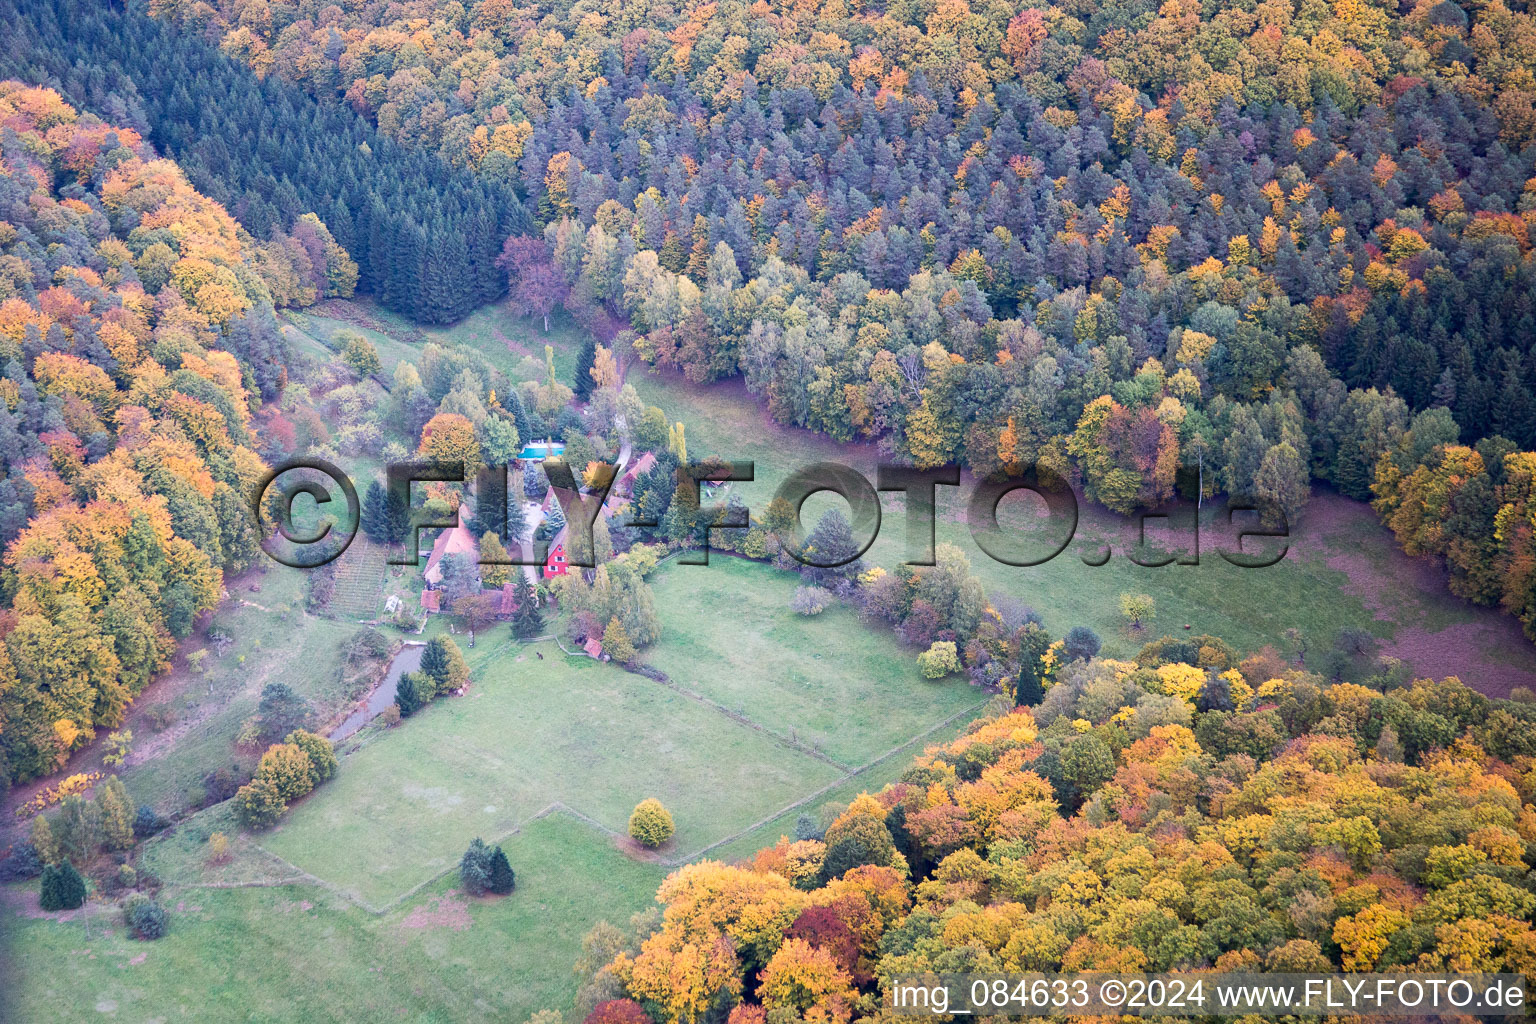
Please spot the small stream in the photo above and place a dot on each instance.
(407, 660)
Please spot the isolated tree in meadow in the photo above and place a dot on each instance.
(528, 618)
(475, 868)
(444, 663)
(502, 879)
(63, 888)
(650, 824)
(1137, 609)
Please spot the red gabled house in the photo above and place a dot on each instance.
(555, 565)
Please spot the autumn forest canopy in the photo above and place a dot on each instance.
(1278, 243)
(1237, 251)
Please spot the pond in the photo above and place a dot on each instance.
(407, 660)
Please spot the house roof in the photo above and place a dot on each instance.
(454, 541)
(431, 600)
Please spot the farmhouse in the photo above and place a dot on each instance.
(455, 541)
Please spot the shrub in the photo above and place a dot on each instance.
(390, 716)
(259, 804)
(218, 848)
(651, 824)
(146, 822)
(939, 660)
(62, 887)
(810, 600)
(160, 717)
(145, 917)
(21, 863)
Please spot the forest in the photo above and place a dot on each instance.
(1277, 242)
(1144, 816)
(136, 339)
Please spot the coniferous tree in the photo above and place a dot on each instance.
(586, 358)
(63, 888)
(528, 619)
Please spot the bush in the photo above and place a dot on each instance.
(810, 600)
(651, 824)
(939, 660)
(160, 717)
(21, 863)
(259, 804)
(146, 822)
(62, 888)
(145, 917)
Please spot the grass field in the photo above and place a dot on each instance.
(549, 753)
(822, 668)
(302, 953)
(592, 737)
